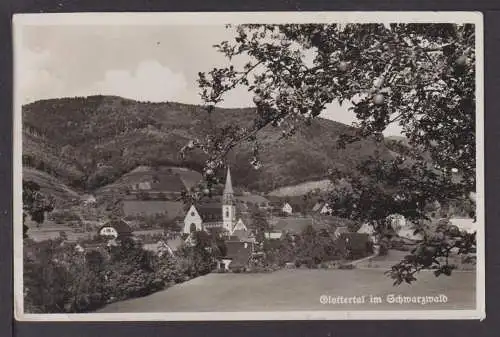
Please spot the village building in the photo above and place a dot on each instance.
(215, 215)
(88, 200)
(340, 230)
(116, 229)
(322, 208)
(238, 255)
(287, 208)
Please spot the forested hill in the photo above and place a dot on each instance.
(90, 142)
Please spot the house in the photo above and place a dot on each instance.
(340, 230)
(464, 224)
(221, 215)
(322, 208)
(367, 229)
(287, 208)
(238, 255)
(273, 235)
(242, 235)
(116, 229)
(88, 200)
(239, 226)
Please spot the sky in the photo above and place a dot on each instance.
(147, 63)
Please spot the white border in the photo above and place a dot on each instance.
(151, 19)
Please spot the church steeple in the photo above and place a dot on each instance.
(228, 195)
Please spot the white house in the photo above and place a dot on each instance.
(117, 229)
(326, 209)
(239, 226)
(274, 235)
(368, 229)
(322, 208)
(88, 200)
(192, 221)
(287, 208)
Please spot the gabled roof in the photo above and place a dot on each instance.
(239, 252)
(210, 212)
(121, 227)
(241, 234)
(228, 188)
(318, 206)
(342, 230)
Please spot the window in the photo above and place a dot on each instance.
(227, 214)
(192, 213)
(192, 227)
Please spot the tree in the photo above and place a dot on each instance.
(260, 224)
(35, 204)
(420, 76)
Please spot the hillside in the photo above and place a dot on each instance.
(94, 141)
(51, 186)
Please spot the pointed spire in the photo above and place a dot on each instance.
(228, 195)
(228, 189)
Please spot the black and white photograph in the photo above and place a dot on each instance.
(248, 166)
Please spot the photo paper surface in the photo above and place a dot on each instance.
(248, 166)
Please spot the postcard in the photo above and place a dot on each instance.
(248, 166)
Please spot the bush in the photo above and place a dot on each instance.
(59, 279)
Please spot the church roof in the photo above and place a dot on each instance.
(228, 189)
(210, 212)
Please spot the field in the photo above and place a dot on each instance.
(51, 231)
(300, 289)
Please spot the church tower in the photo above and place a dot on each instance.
(228, 204)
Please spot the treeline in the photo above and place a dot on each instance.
(59, 278)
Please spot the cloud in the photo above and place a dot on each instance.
(150, 81)
(34, 78)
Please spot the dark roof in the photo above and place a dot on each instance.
(210, 212)
(239, 252)
(120, 226)
(241, 235)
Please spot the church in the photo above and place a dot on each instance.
(215, 215)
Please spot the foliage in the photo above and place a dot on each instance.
(88, 124)
(35, 204)
(60, 278)
(199, 258)
(420, 76)
(260, 225)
